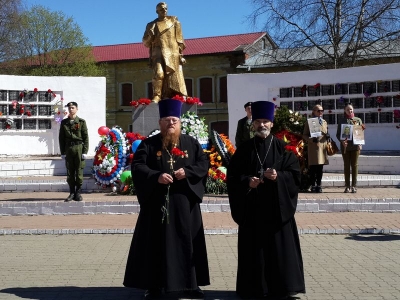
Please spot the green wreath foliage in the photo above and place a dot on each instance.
(289, 120)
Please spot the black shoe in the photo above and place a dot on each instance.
(195, 294)
(78, 196)
(70, 197)
(152, 294)
(318, 189)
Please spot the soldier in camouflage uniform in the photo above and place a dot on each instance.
(74, 144)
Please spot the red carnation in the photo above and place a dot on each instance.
(178, 152)
(179, 97)
(144, 101)
(193, 100)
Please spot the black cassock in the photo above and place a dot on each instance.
(269, 255)
(172, 256)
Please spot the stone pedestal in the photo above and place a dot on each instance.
(145, 117)
(187, 107)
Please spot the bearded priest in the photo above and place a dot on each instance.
(263, 181)
(168, 251)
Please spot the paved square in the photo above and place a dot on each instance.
(54, 267)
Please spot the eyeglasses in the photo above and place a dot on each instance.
(319, 110)
(171, 120)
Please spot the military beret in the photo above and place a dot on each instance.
(247, 104)
(71, 104)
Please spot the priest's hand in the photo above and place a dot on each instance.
(165, 178)
(270, 174)
(254, 182)
(180, 174)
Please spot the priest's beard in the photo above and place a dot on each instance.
(171, 139)
(263, 132)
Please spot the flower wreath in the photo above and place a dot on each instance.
(294, 142)
(194, 126)
(223, 146)
(112, 157)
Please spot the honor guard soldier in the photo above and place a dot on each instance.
(74, 144)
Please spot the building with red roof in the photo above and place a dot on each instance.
(208, 62)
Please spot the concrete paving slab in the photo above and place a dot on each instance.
(214, 223)
(59, 267)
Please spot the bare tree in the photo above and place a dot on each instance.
(332, 33)
(9, 16)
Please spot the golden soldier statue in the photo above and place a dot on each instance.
(164, 38)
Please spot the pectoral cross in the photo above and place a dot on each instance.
(261, 172)
(171, 164)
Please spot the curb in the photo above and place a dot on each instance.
(231, 231)
(50, 207)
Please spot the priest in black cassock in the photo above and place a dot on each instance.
(263, 181)
(168, 250)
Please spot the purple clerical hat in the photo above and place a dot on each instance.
(262, 110)
(170, 108)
